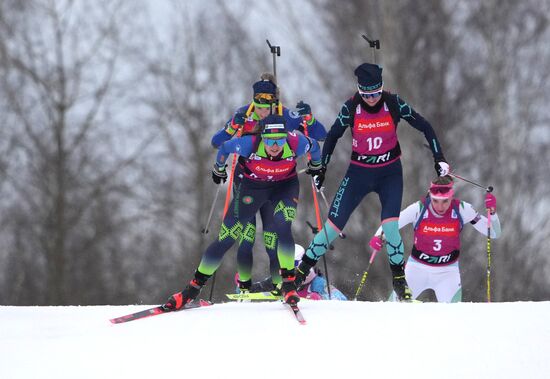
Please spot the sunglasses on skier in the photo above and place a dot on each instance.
(436, 190)
(370, 95)
(272, 141)
(264, 98)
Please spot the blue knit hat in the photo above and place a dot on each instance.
(264, 86)
(369, 77)
(273, 126)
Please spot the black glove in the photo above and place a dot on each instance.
(219, 175)
(235, 123)
(317, 172)
(442, 167)
(303, 109)
(239, 118)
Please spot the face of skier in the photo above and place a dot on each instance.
(263, 102)
(274, 146)
(262, 112)
(441, 193)
(441, 206)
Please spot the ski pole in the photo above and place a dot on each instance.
(328, 244)
(229, 185)
(229, 191)
(364, 278)
(488, 189)
(233, 166)
(230, 181)
(212, 287)
(205, 229)
(488, 255)
(317, 210)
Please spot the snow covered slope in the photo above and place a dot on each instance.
(263, 340)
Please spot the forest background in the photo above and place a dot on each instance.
(107, 109)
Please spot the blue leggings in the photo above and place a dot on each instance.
(387, 182)
(249, 197)
(245, 259)
(359, 181)
(244, 253)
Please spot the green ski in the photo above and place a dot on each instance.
(253, 296)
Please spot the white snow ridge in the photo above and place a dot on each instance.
(263, 340)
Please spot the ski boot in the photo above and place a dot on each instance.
(276, 291)
(288, 288)
(400, 285)
(178, 300)
(302, 271)
(244, 288)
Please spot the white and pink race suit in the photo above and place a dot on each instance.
(437, 237)
(434, 262)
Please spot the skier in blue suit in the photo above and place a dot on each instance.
(246, 118)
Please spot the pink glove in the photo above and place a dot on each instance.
(491, 202)
(376, 243)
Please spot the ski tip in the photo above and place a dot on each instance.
(117, 320)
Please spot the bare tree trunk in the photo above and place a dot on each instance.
(59, 112)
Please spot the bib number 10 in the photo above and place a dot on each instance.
(374, 143)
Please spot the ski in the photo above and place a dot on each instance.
(157, 311)
(297, 313)
(253, 296)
